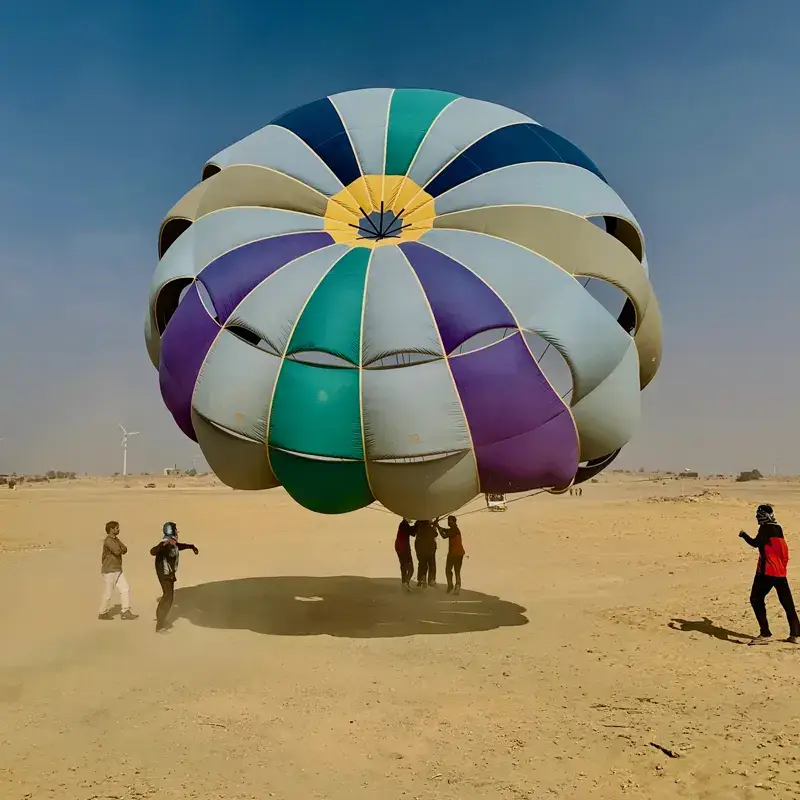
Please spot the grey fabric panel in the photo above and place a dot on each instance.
(425, 489)
(282, 150)
(272, 308)
(218, 233)
(461, 124)
(412, 411)
(607, 417)
(224, 230)
(238, 463)
(553, 185)
(397, 317)
(545, 299)
(235, 385)
(178, 262)
(151, 338)
(365, 114)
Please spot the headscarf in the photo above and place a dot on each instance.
(170, 530)
(765, 515)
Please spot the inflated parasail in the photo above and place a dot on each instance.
(349, 302)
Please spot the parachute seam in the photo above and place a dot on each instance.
(233, 311)
(574, 275)
(632, 220)
(416, 152)
(196, 273)
(208, 182)
(463, 149)
(386, 141)
(520, 328)
(309, 148)
(641, 306)
(355, 152)
(564, 354)
(321, 160)
(286, 350)
(361, 376)
(449, 371)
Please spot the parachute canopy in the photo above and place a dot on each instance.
(357, 302)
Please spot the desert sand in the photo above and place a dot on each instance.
(589, 631)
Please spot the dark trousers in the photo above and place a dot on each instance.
(165, 603)
(453, 563)
(762, 586)
(427, 567)
(406, 566)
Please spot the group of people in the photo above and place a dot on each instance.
(771, 570)
(425, 533)
(167, 556)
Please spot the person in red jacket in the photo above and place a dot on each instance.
(773, 560)
(402, 546)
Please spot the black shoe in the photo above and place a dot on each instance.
(107, 615)
(129, 615)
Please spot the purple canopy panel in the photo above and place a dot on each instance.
(184, 346)
(523, 434)
(233, 275)
(462, 304)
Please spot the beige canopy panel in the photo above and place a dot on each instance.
(239, 186)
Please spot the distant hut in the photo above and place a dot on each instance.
(749, 475)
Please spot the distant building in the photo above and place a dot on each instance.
(749, 475)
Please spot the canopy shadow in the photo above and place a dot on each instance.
(344, 605)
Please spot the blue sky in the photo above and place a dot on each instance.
(691, 109)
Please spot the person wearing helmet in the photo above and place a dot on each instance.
(773, 559)
(167, 556)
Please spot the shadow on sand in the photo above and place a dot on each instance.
(345, 605)
(706, 626)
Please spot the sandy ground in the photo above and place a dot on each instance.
(589, 628)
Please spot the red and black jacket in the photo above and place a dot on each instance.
(773, 552)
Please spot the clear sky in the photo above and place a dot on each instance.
(110, 109)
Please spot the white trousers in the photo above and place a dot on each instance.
(111, 581)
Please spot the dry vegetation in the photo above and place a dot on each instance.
(597, 652)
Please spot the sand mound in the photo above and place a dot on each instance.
(706, 496)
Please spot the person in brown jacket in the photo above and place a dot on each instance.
(113, 577)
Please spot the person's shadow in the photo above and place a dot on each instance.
(346, 605)
(706, 626)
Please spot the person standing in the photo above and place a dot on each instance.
(773, 560)
(455, 554)
(425, 546)
(113, 576)
(402, 546)
(167, 556)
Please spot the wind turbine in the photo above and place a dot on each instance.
(125, 437)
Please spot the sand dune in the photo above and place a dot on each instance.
(591, 633)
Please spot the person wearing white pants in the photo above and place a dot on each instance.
(113, 577)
